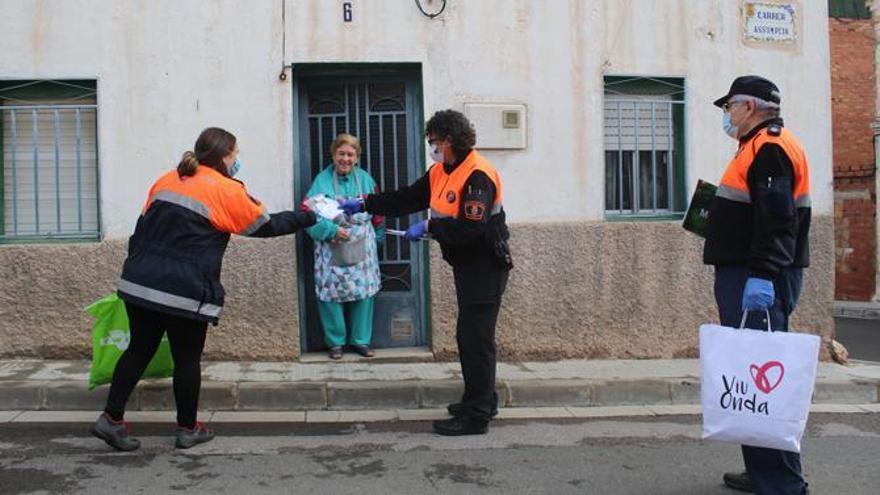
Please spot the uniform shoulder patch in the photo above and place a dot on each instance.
(474, 210)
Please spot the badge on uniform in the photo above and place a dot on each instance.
(450, 196)
(474, 210)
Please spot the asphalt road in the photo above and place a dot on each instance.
(648, 455)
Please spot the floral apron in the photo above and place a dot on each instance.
(349, 270)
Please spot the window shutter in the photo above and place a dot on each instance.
(61, 197)
(654, 122)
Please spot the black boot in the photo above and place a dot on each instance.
(456, 409)
(739, 481)
(457, 426)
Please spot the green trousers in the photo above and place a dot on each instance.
(359, 315)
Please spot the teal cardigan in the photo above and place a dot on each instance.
(324, 229)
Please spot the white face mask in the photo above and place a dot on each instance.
(727, 124)
(436, 154)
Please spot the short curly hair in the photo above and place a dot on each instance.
(454, 126)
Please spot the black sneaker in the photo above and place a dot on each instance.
(739, 481)
(188, 437)
(460, 426)
(117, 434)
(456, 408)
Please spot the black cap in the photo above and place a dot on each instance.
(755, 86)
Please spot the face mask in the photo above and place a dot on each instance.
(234, 168)
(436, 154)
(727, 125)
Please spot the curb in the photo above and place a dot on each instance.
(857, 309)
(414, 395)
(397, 415)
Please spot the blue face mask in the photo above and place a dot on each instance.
(234, 168)
(728, 126)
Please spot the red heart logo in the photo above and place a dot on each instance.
(761, 378)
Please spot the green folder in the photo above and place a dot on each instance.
(698, 211)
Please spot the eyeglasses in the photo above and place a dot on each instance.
(729, 103)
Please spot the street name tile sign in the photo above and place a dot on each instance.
(770, 22)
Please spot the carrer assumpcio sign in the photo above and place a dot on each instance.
(770, 22)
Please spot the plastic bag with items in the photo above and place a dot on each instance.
(110, 338)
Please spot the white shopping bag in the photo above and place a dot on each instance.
(756, 386)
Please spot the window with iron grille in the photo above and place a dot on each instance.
(644, 143)
(48, 160)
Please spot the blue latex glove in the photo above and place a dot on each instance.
(416, 231)
(352, 205)
(758, 294)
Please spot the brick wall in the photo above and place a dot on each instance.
(853, 99)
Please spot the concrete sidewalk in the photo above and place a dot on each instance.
(412, 389)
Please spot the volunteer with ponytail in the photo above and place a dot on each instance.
(171, 278)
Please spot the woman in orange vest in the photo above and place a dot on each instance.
(463, 191)
(171, 278)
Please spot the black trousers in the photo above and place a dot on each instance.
(479, 286)
(187, 340)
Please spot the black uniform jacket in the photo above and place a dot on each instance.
(466, 242)
(770, 232)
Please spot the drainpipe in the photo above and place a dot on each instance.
(874, 6)
(876, 128)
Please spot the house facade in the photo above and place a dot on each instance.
(597, 115)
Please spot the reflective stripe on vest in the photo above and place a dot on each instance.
(224, 202)
(168, 299)
(735, 184)
(446, 189)
(187, 202)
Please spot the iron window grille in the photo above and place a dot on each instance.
(49, 161)
(643, 142)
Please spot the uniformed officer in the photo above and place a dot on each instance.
(463, 191)
(757, 239)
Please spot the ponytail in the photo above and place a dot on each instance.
(212, 145)
(188, 164)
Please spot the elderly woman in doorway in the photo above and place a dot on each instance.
(346, 253)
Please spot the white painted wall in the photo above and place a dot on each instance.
(168, 68)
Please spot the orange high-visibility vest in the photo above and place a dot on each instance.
(735, 185)
(446, 189)
(222, 201)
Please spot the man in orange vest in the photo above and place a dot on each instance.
(757, 239)
(463, 191)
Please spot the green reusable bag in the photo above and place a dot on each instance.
(110, 337)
